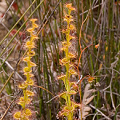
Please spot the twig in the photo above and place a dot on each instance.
(100, 112)
(6, 82)
(89, 9)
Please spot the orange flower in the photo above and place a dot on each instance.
(23, 86)
(33, 20)
(30, 30)
(30, 44)
(34, 36)
(72, 72)
(28, 112)
(31, 75)
(71, 37)
(17, 115)
(71, 55)
(26, 59)
(30, 82)
(35, 25)
(72, 27)
(65, 44)
(31, 53)
(32, 64)
(22, 101)
(69, 6)
(62, 77)
(68, 18)
(64, 31)
(29, 93)
(65, 61)
(27, 70)
(90, 79)
(96, 46)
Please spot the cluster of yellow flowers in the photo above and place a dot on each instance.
(70, 106)
(25, 113)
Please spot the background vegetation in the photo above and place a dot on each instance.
(100, 31)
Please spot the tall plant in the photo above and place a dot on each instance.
(70, 106)
(24, 101)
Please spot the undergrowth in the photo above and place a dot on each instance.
(79, 45)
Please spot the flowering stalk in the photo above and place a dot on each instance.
(25, 113)
(70, 105)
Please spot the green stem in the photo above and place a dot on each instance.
(70, 116)
(67, 71)
(25, 98)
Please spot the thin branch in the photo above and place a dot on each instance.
(100, 112)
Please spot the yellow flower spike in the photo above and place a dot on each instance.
(69, 108)
(31, 53)
(23, 101)
(28, 112)
(30, 82)
(17, 115)
(30, 30)
(69, 6)
(30, 44)
(72, 72)
(29, 93)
